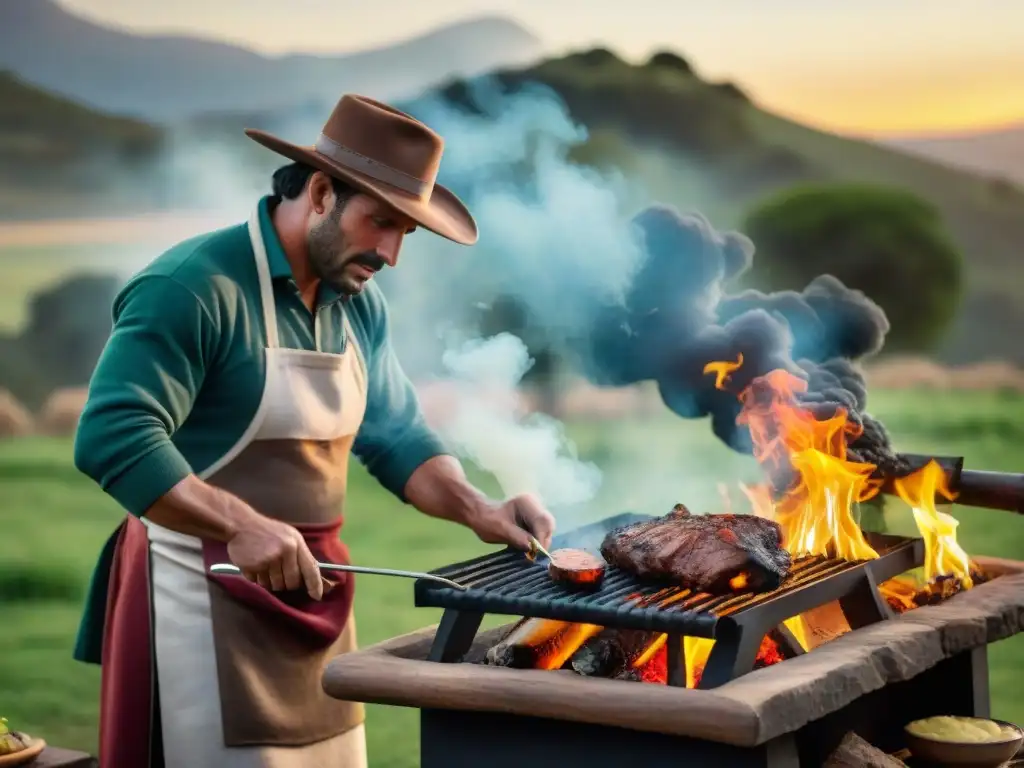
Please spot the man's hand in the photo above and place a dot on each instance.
(269, 552)
(275, 555)
(513, 521)
(439, 488)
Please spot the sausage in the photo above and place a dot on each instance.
(576, 568)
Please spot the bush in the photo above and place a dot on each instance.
(68, 325)
(62, 411)
(15, 420)
(33, 581)
(21, 373)
(888, 243)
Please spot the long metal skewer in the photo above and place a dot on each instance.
(234, 570)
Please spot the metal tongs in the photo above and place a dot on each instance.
(537, 548)
(234, 570)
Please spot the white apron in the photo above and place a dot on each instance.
(298, 443)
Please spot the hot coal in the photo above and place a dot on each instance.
(677, 317)
(601, 656)
(611, 653)
(709, 553)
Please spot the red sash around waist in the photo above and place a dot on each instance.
(319, 621)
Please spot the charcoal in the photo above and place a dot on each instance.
(610, 653)
(513, 656)
(873, 446)
(599, 656)
(629, 674)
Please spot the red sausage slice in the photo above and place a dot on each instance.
(576, 568)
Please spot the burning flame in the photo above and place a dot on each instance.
(563, 642)
(817, 514)
(943, 555)
(818, 511)
(696, 651)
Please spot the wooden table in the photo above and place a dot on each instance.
(55, 757)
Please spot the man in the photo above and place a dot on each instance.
(243, 368)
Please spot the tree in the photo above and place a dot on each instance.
(883, 241)
(68, 325)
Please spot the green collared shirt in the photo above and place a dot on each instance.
(181, 378)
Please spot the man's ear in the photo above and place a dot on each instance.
(321, 192)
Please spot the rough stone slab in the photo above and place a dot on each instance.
(787, 696)
(55, 757)
(749, 711)
(395, 672)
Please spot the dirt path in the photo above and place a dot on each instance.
(142, 229)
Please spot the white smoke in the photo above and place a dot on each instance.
(552, 231)
(526, 453)
(553, 235)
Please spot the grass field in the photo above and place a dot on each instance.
(54, 521)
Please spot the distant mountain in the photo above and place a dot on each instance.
(58, 156)
(998, 153)
(165, 78)
(688, 142)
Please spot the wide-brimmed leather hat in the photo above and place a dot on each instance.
(388, 154)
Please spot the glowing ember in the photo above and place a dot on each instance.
(564, 644)
(739, 581)
(653, 663)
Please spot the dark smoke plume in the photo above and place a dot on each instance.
(677, 317)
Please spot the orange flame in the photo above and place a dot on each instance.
(943, 555)
(818, 512)
(696, 651)
(723, 370)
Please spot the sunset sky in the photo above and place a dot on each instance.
(870, 67)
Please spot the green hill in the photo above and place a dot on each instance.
(692, 143)
(705, 145)
(57, 156)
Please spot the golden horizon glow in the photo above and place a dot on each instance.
(870, 68)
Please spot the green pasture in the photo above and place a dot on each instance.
(53, 522)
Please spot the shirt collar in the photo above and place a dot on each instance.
(280, 269)
(278, 262)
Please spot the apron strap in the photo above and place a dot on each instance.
(351, 342)
(259, 250)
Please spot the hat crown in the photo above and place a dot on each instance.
(392, 141)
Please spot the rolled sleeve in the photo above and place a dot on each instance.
(142, 390)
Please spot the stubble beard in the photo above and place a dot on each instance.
(325, 245)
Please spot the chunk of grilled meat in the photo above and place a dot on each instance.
(709, 553)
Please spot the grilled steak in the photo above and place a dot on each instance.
(702, 552)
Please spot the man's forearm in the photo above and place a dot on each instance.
(196, 508)
(439, 488)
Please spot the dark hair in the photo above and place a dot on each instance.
(289, 181)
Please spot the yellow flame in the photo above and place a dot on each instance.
(817, 513)
(943, 555)
(818, 516)
(723, 369)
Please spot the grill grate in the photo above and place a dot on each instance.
(507, 583)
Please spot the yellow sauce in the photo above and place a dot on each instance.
(966, 730)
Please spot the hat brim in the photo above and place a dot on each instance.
(443, 213)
